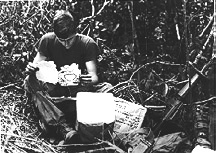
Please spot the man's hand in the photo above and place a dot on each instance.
(85, 79)
(31, 68)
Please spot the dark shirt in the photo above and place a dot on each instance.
(83, 49)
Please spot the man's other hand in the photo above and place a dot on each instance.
(31, 68)
(85, 79)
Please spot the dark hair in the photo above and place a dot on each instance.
(63, 24)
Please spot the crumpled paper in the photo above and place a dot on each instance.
(69, 75)
(199, 149)
(47, 72)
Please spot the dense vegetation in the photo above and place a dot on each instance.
(130, 33)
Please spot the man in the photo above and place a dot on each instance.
(63, 46)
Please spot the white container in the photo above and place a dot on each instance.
(95, 108)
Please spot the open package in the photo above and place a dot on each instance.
(67, 76)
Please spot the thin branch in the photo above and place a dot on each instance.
(154, 62)
(29, 139)
(135, 43)
(28, 9)
(95, 15)
(10, 85)
(208, 39)
(102, 8)
(204, 101)
(208, 25)
(29, 149)
(7, 21)
(93, 8)
(134, 34)
(31, 17)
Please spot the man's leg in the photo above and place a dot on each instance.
(68, 107)
(49, 113)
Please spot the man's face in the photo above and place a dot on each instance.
(68, 41)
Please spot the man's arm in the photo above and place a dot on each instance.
(39, 57)
(31, 67)
(91, 77)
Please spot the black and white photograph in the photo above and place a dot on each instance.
(107, 76)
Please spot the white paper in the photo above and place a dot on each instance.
(47, 72)
(69, 75)
(200, 149)
(129, 116)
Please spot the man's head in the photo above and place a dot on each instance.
(64, 24)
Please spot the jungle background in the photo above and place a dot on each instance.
(146, 49)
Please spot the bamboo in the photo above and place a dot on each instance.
(212, 125)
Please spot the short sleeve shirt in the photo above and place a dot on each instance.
(84, 49)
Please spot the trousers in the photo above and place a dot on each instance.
(50, 112)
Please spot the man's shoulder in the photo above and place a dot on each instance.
(49, 35)
(45, 39)
(85, 38)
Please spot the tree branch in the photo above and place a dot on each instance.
(95, 15)
(208, 25)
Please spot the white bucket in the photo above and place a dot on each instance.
(95, 108)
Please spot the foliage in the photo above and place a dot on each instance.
(110, 24)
